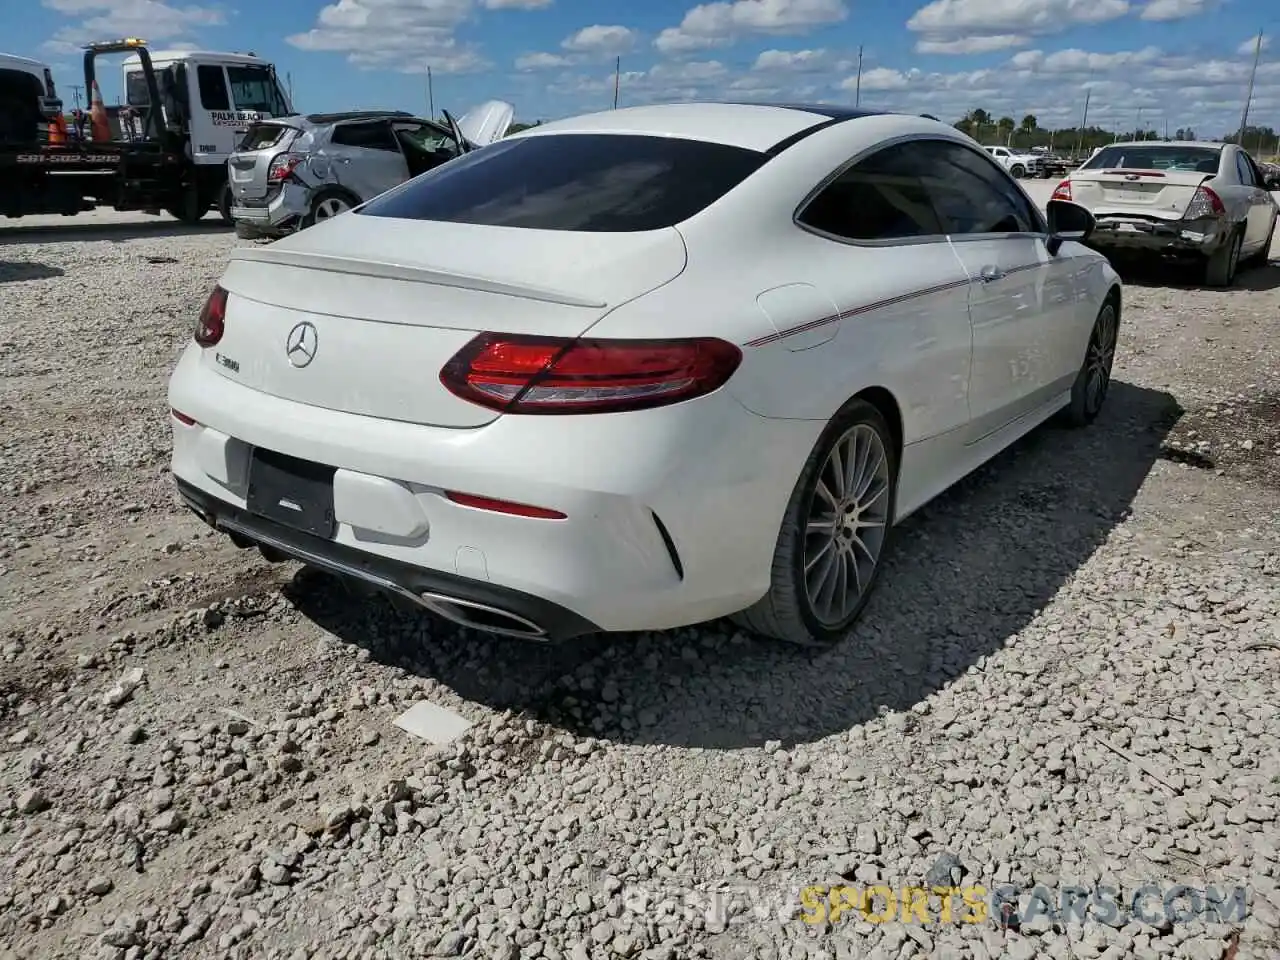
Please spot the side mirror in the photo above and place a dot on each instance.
(1067, 221)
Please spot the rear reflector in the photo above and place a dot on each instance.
(183, 418)
(520, 374)
(503, 506)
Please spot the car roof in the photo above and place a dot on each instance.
(753, 126)
(225, 58)
(13, 60)
(1200, 144)
(322, 118)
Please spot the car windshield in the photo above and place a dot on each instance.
(1126, 156)
(598, 183)
(255, 88)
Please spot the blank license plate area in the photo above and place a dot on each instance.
(293, 492)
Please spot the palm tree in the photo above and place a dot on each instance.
(1004, 128)
(1029, 126)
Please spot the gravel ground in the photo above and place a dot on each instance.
(1067, 677)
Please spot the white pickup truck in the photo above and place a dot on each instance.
(1018, 163)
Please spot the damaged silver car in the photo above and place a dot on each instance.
(290, 172)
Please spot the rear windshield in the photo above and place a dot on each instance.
(1126, 156)
(262, 135)
(596, 183)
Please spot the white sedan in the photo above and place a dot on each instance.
(643, 368)
(1207, 202)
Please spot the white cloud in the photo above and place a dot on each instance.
(1188, 91)
(599, 39)
(1073, 61)
(541, 61)
(944, 21)
(878, 78)
(971, 45)
(1247, 47)
(152, 19)
(792, 60)
(1176, 9)
(404, 35)
(718, 24)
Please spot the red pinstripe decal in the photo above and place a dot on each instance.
(868, 308)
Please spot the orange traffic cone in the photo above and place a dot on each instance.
(100, 126)
(58, 131)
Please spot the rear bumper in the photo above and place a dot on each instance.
(672, 515)
(543, 620)
(278, 214)
(1165, 238)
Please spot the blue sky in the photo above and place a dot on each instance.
(1184, 61)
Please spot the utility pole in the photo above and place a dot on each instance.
(288, 85)
(617, 79)
(75, 92)
(857, 89)
(431, 96)
(1244, 115)
(1084, 119)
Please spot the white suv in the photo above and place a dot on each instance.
(1016, 162)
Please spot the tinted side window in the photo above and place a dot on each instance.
(879, 198)
(597, 183)
(972, 194)
(1242, 168)
(213, 88)
(371, 136)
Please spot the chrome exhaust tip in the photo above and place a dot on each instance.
(481, 616)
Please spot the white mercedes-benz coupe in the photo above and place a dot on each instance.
(642, 368)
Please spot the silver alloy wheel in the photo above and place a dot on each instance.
(846, 524)
(331, 207)
(1099, 358)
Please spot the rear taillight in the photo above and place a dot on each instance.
(282, 166)
(212, 320)
(1062, 191)
(520, 374)
(183, 418)
(1204, 204)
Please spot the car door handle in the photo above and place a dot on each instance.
(991, 273)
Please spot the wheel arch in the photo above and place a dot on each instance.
(884, 401)
(335, 188)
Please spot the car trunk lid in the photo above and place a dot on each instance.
(249, 165)
(361, 314)
(1145, 194)
(482, 125)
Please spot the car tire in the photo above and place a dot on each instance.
(1018, 171)
(1093, 380)
(225, 201)
(326, 204)
(829, 534)
(1221, 266)
(190, 207)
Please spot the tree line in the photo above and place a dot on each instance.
(985, 128)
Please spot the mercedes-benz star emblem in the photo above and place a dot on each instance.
(301, 345)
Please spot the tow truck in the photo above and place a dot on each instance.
(164, 149)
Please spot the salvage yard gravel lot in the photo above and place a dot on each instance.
(1069, 676)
